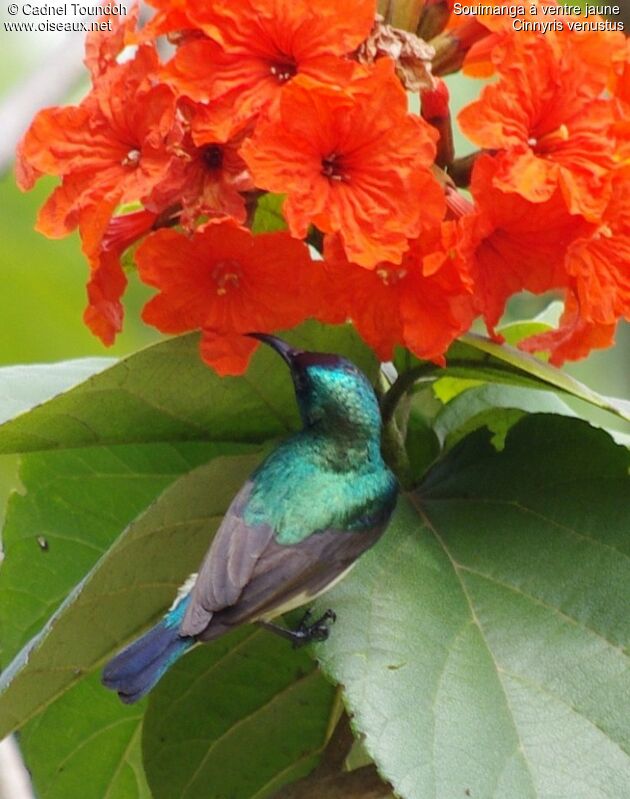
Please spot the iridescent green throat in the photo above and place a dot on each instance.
(331, 475)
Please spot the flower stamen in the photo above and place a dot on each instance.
(226, 275)
(213, 156)
(550, 140)
(283, 71)
(603, 232)
(332, 168)
(132, 158)
(391, 276)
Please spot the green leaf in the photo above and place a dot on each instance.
(447, 388)
(478, 356)
(421, 442)
(269, 217)
(166, 393)
(244, 715)
(514, 332)
(76, 502)
(134, 581)
(483, 643)
(24, 387)
(494, 406)
(87, 745)
(623, 439)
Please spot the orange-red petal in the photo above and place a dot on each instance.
(351, 161)
(573, 339)
(549, 125)
(224, 279)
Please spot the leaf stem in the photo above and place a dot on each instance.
(430, 371)
(401, 385)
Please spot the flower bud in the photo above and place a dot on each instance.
(434, 103)
(403, 14)
(433, 19)
(452, 45)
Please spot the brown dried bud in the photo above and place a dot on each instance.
(411, 54)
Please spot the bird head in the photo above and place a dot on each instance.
(332, 393)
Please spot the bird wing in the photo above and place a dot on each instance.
(227, 566)
(247, 573)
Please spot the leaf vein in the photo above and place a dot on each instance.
(243, 720)
(476, 621)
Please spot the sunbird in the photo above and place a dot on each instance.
(297, 526)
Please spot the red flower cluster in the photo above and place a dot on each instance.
(305, 100)
(551, 193)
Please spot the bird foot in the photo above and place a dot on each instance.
(306, 632)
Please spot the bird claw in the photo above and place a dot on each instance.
(308, 632)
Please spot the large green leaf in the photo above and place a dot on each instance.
(75, 503)
(483, 644)
(164, 393)
(23, 387)
(134, 581)
(87, 745)
(498, 407)
(446, 388)
(477, 356)
(244, 715)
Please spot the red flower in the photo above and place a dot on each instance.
(110, 149)
(350, 161)
(598, 265)
(103, 47)
(104, 314)
(487, 39)
(620, 73)
(574, 338)
(172, 15)
(424, 303)
(537, 247)
(516, 245)
(252, 48)
(204, 176)
(226, 282)
(550, 128)
(620, 87)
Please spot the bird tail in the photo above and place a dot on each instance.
(134, 671)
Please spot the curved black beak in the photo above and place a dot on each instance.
(284, 350)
